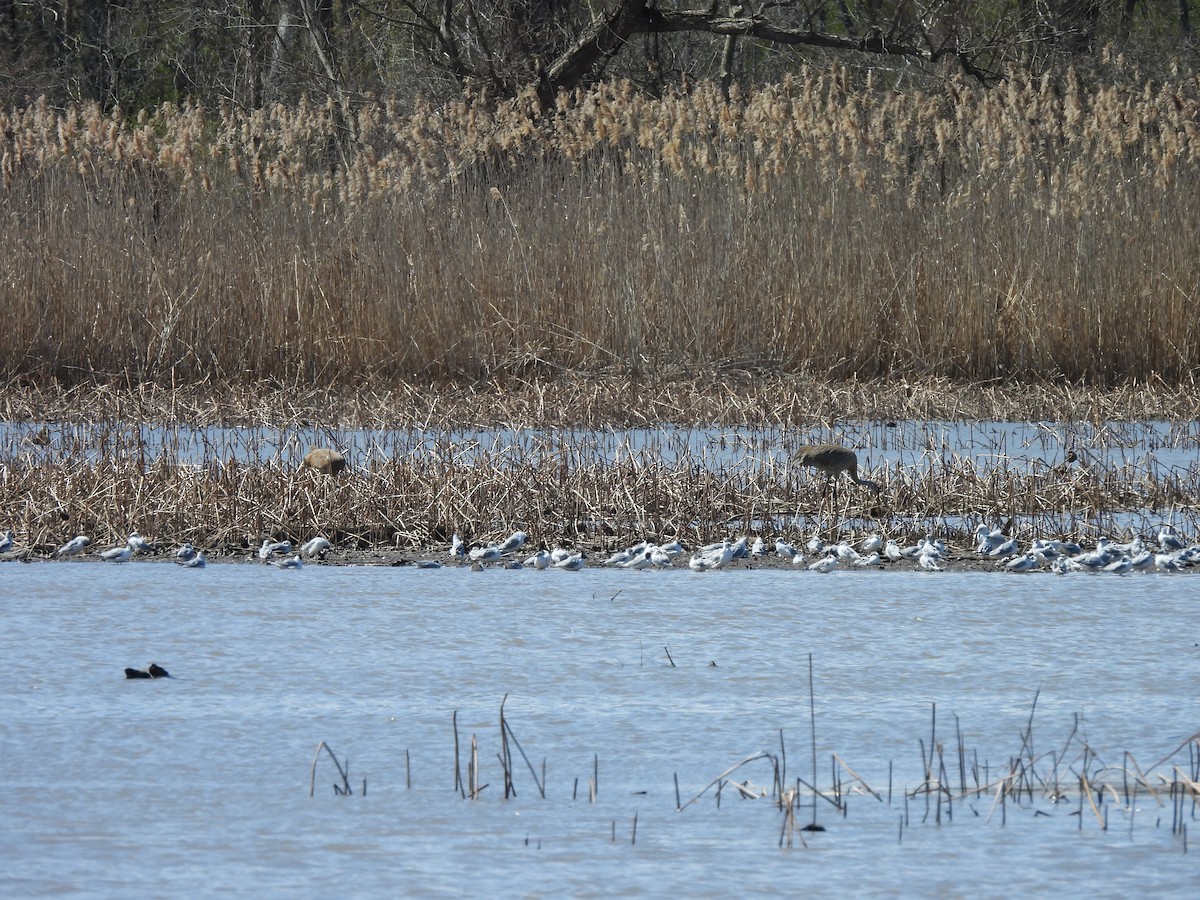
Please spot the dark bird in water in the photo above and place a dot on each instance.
(325, 461)
(832, 460)
(155, 671)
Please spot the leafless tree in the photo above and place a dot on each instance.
(254, 52)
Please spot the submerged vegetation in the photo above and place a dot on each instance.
(1071, 780)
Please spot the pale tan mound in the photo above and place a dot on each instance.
(325, 461)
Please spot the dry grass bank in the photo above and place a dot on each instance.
(1042, 230)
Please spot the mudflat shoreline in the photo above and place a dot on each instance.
(953, 561)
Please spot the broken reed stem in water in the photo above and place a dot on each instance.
(812, 719)
(860, 780)
(782, 776)
(761, 754)
(344, 771)
(507, 732)
(505, 755)
(474, 787)
(962, 759)
(458, 782)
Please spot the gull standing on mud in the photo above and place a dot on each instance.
(491, 553)
(1005, 550)
(673, 549)
(1027, 562)
(73, 546)
(269, 549)
(139, 543)
(623, 556)
(714, 556)
(572, 563)
(1168, 540)
(845, 551)
(640, 560)
(987, 539)
(514, 542)
(824, 564)
(784, 549)
(6, 542)
(117, 554)
(1120, 566)
(313, 547)
(539, 560)
(928, 559)
(195, 561)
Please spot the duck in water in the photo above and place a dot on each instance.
(154, 671)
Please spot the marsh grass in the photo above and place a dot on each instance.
(814, 252)
(1043, 230)
(740, 399)
(410, 495)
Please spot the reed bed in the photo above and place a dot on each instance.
(825, 227)
(561, 488)
(735, 398)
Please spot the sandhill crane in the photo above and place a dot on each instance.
(832, 460)
(324, 460)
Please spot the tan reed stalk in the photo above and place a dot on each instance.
(978, 234)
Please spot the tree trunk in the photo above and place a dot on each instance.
(603, 39)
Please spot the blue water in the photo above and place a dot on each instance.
(199, 785)
(1154, 447)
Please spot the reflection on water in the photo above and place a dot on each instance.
(199, 783)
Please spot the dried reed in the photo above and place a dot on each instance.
(820, 226)
(343, 789)
(107, 479)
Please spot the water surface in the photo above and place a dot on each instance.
(200, 784)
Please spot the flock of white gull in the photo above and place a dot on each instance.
(1167, 553)
(1171, 554)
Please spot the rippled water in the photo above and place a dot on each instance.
(200, 784)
